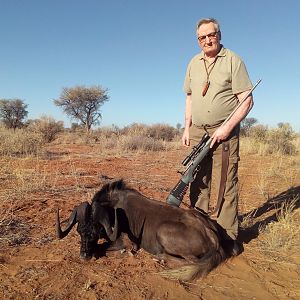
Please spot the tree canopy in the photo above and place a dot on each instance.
(13, 112)
(83, 104)
(246, 124)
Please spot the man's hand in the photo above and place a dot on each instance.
(185, 138)
(221, 134)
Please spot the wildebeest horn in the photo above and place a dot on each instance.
(111, 234)
(71, 222)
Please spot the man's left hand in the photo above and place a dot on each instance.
(221, 134)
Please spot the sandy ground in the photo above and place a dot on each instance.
(34, 264)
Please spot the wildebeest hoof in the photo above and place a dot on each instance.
(133, 251)
(85, 256)
(160, 261)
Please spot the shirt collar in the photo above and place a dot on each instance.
(222, 52)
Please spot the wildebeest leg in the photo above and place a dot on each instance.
(118, 244)
(123, 242)
(135, 247)
(101, 249)
(189, 242)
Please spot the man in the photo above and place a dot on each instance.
(216, 80)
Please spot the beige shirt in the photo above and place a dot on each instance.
(227, 78)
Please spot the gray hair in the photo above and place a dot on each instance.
(209, 20)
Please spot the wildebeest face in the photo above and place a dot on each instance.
(89, 231)
(94, 222)
(90, 234)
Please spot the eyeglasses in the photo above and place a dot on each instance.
(211, 35)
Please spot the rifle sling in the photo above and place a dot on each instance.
(224, 169)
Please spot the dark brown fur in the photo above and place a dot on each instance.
(170, 233)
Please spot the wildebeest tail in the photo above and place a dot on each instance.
(199, 269)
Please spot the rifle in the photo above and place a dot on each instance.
(193, 160)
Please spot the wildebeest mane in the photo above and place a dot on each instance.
(107, 189)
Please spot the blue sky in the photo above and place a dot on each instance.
(139, 50)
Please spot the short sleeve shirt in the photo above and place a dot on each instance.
(227, 78)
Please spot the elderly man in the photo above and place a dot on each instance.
(216, 80)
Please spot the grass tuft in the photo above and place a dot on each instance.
(284, 234)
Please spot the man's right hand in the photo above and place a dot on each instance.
(185, 138)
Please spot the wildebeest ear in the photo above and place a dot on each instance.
(118, 185)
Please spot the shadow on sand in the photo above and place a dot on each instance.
(270, 208)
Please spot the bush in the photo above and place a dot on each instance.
(47, 127)
(135, 129)
(19, 142)
(279, 140)
(106, 132)
(258, 132)
(164, 132)
(135, 143)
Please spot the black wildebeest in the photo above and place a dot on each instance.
(183, 236)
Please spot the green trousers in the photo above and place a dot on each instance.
(200, 189)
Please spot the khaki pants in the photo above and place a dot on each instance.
(200, 189)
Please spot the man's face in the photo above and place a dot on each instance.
(209, 39)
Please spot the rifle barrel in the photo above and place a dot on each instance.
(241, 102)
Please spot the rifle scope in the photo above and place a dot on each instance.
(196, 149)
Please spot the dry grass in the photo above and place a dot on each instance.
(284, 234)
(25, 180)
(6, 209)
(263, 141)
(276, 172)
(142, 143)
(114, 141)
(248, 220)
(20, 142)
(251, 146)
(13, 231)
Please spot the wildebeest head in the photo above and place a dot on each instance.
(92, 225)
